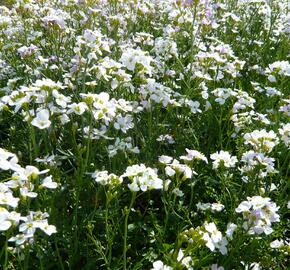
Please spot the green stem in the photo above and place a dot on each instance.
(109, 241)
(191, 196)
(165, 203)
(33, 139)
(127, 212)
(6, 252)
(88, 148)
(58, 256)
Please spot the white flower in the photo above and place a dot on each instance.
(231, 227)
(20, 239)
(222, 94)
(6, 198)
(286, 107)
(259, 213)
(213, 238)
(48, 159)
(165, 47)
(4, 163)
(178, 192)
(64, 119)
(272, 78)
(185, 261)
(159, 265)
(208, 241)
(142, 178)
(244, 100)
(169, 171)
(42, 119)
(223, 158)
(214, 207)
(53, 19)
(252, 266)
(119, 145)
(61, 99)
(193, 106)
(166, 138)
(36, 220)
(103, 178)
(5, 223)
(25, 192)
(8, 161)
(185, 170)
(193, 154)
(216, 267)
(203, 206)
(48, 229)
(165, 159)
(217, 207)
(262, 140)
(27, 228)
(279, 67)
(25, 51)
(284, 131)
(277, 244)
(124, 123)
(77, 108)
(47, 182)
(47, 84)
(30, 172)
(15, 217)
(131, 57)
(104, 108)
(253, 161)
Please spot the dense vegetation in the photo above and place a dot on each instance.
(144, 134)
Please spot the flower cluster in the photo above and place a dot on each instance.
(207, 235)
(223, 159)
(174, 167)
(213, 238)
(259, 213)
(142, 178)
(15, 194)
(103, 178)
(149, 122)
(261, 140)
(213, 207)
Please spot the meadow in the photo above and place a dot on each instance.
(144, 134)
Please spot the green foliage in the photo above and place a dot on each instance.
(164, 126)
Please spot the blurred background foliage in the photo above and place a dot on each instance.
(7, 3)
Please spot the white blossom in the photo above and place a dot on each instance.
(41, 120)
